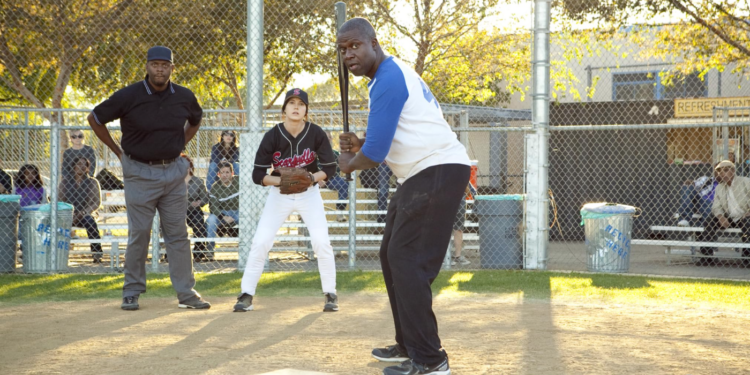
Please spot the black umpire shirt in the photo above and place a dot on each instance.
(152, 122)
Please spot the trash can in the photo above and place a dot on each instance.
(500, 223)
(9, 207)
(607, 231)
(39, 256)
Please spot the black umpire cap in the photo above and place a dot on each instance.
(296, 93)
(159, 53)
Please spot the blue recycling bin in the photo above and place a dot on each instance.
(607, 230)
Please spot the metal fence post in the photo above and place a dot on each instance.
(340, 9)
(353, 221)
(54, 149)
(725, 134)
(463, 136)
(537, 164)
(251, 202)
(26, 139)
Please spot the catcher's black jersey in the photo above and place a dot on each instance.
(279, 149)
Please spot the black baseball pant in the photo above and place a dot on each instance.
(417, 232)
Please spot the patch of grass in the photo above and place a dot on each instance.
(624, 289)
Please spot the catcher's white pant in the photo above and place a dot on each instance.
(278, 207)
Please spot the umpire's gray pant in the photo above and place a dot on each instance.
(149, 188)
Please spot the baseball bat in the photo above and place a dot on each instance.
(343, 73)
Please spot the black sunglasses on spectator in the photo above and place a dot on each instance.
(76, 136)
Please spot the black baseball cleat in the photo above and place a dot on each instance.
(410, 367)
(244, 303)
(332, 302)
(393, 353)
(129, 303)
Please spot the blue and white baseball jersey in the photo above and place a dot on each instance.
(406, 127)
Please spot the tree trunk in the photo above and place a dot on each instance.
(232, 83)
(63, 77)
(421, 57)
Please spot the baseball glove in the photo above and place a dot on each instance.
(294, 180)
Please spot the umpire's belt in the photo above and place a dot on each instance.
(153, 162)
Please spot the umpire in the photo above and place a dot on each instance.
(158, 118)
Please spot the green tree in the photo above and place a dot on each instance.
(484, 67)
(461, 59)
(709, 34)
(207, 39)
(437, 25)
(42, 41)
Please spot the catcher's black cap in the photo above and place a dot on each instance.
(159, 53)
(295, 93)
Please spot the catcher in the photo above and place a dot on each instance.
(293, 148)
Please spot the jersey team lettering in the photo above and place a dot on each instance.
(297, 161)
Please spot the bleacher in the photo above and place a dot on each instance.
(292, 236)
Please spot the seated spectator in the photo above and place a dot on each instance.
(697, 197)
(29, 185)
(82, 191)
(6, 182)
(77, 148)
(224, 203)
(730, 209)
(225, 150)
(459, 226)
(336, 182)
(197, 198)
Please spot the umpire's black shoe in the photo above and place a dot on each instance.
(410, 367)
(393, 353)
(195, 302)
(332, 302)
(129, 303)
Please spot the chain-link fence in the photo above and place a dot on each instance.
(89, 178)
(645, 100)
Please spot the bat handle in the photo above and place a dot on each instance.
(348, 177)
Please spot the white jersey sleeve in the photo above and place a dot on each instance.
(406, 127)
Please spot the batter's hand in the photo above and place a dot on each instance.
(344, 160)
(349, 142)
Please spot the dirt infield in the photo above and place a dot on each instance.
(483, 335)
